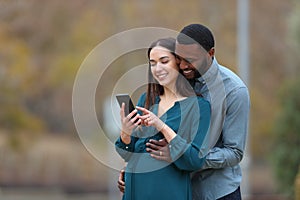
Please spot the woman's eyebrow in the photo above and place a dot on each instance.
(163, 57)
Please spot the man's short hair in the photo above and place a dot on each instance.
(196, 33)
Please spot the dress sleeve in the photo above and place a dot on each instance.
(185, 150)
(125, 150)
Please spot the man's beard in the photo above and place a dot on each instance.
(200, 70)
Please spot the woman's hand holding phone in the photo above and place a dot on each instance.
(128, 122)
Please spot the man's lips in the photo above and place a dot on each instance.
(187, 71)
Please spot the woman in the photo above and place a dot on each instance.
(169, 109)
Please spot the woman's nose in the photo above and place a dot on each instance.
(159, 67)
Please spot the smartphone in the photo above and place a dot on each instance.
(125, 98)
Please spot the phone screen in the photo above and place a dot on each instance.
(125, 98)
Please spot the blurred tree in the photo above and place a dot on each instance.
(286, 154)
(16, 78)
(269, 54)
(56, 36)
(293, 39)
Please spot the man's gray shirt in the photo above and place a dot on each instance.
(230, 104)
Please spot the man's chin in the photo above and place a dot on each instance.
(189, 76)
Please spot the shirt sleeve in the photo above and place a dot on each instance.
(230, 147)
(188, 152)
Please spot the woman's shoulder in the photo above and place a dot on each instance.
(142, 100)
(195, 101)
(199, 99)
(202, 103)
(143, 95)
(202, 100)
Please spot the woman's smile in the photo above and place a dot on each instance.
(161, 76)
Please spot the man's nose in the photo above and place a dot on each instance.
(183, 64)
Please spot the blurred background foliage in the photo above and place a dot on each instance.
(44, 43)
(286, 154)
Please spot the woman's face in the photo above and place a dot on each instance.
(163, 66)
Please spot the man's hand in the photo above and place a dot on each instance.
(159, 150)
(121, 181)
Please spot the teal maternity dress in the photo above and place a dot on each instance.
(148, 178)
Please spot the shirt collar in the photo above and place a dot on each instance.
(211, 73)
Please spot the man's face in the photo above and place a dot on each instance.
(195, 60)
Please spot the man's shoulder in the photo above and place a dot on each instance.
(230, 79)
(236, 89)
(229, 74)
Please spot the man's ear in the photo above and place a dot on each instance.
(211, 52)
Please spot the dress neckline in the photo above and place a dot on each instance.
(172, 107)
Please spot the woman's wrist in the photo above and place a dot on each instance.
(125, 137)
(160, 125)
(168, 133)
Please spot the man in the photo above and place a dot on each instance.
(220, 177)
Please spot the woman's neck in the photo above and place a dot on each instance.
(167, 100)
(171, 95)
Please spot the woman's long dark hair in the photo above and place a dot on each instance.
(154, 89)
